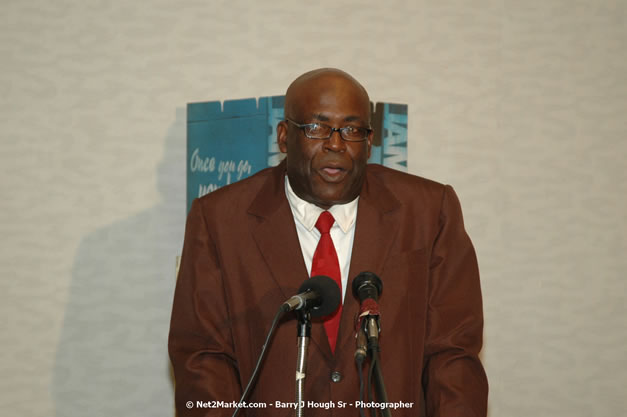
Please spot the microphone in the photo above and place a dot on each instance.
(320, 295)
(367, 286)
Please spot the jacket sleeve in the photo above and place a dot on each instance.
(454, 380)
(200, 341)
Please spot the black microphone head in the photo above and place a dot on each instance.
(368, 281)
(328, 293)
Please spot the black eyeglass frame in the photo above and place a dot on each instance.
(341, 131)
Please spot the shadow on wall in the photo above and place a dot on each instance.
(112, 356)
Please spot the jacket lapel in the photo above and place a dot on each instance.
(377, 225)
(274, 231)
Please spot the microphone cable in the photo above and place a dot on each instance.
(373, 364)
(281, 311)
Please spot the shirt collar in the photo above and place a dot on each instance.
(307, 213)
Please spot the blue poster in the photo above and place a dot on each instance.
(229, 141)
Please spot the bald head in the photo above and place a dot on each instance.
(312, 84)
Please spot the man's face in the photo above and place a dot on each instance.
(331, 171)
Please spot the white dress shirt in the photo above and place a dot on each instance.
(342, 232)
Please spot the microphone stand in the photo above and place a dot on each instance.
(372, 330)
(303, 333)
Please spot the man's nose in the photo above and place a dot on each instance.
(335, 142)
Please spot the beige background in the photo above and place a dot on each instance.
(520, 105)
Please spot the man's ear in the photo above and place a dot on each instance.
(281, 136)
(369, 140)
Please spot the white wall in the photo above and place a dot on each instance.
(519, 104)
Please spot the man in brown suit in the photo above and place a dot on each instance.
(246, 251)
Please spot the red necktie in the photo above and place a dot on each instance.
(325, 263)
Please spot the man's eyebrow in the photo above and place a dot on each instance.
(320, 117)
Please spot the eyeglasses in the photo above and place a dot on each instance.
(322, 131)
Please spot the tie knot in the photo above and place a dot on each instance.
(325, 221)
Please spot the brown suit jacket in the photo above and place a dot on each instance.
(241, 259)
